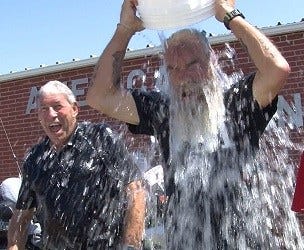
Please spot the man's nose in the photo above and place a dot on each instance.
(52, 112)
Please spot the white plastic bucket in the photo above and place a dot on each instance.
(168, 14)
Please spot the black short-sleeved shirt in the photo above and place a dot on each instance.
(212, 208)
(246, 120)
(79, 191)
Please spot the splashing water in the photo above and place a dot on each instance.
(227, 195)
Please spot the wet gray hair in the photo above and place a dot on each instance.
(200, 35)
(56, 87)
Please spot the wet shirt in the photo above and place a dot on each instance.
(246, 120)
(209, 192)
(79, 190)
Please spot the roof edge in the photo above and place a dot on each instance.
(269, 31)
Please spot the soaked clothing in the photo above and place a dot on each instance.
(213, 214)
(247, 119)
(79, 190)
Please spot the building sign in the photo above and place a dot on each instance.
(288, 112)
(293, 114)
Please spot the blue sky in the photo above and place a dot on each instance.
(43, 32)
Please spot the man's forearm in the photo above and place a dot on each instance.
(272, 67)
(261, 50)
(108, 68)
(105, 93)
(17, 232)
(135, 215)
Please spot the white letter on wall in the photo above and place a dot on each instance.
(293, 114)
(79, 92)
(32, 102)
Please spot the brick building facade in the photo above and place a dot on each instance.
(20, 129)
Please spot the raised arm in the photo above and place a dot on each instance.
(272, 68)
(105, 93)
(135, 216)
(18, 226)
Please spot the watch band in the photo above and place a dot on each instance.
(128, 247)
(230, 15)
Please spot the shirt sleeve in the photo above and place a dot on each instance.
(26, 198)
(152, 108)
(116, 157)
(245, 112)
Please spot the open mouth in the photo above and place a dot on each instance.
(55, 128)
(188, 95)
(188, 89)
(184, 95)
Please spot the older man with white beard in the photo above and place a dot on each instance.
(207, 134)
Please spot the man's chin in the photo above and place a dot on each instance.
(193, 98)
(56, 136)
(188, 91)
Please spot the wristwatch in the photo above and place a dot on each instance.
(230, 15)
(128, 247)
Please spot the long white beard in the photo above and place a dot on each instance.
(198, 119)
(188, 123)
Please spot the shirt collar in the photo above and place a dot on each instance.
(70, 142)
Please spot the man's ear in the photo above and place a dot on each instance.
(75, 109)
